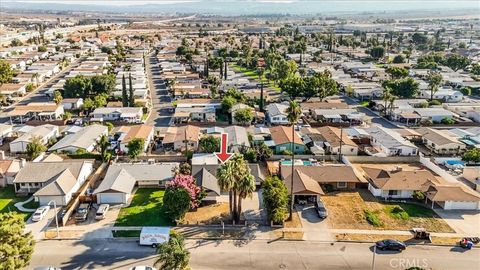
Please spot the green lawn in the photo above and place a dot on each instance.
(252, 73)
(8, 199)
(146, 209)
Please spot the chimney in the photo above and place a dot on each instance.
(23, 162)
(2, 155)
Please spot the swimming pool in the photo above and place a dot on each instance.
(297, 162)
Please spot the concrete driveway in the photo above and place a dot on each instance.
(37, 228)
(314, 227)
(464, 222)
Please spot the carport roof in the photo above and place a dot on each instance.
(303, 184)
(452, 193)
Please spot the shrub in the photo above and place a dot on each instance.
(275, 199)
(434, 103)
(286, 152)
(372, 218)
(418, 195)
(176, 202)
(448, 121)
(399, 213)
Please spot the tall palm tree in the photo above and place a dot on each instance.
(260, 72)
(173, 255)
(392, 104)
(293, 114)
(387, 94)
(226, 181)
(245, 187)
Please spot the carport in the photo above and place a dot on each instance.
(305, 189)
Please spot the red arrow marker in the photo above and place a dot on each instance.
(223, 156)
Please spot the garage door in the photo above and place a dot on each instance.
(111, 198)
(463, 205)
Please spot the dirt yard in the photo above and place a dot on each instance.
(211, 214)
(347, 210)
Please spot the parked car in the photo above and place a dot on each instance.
(46, 268)
(82, 212)
(142, 268)
(390, 244)
(321, 209)
(102, 211)
(40, 213)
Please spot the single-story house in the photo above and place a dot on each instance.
(8, 169)
(126, 114)
(276, 114)
(282, 139)
(85, 139)
(44, 133)
(121, 179)
(128, 133)
(177, 138)
(53, 181)
(332, 142)
(5, 131)
(453, 197)
(441, 142)
(237, 137)
(36, 111)
(72, 103)
(389, 142)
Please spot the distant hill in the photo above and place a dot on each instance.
(250, 7)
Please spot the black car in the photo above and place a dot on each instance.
(321, 210)
(390, 244)
(82, 212)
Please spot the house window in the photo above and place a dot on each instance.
(342, 185)
(393, 192)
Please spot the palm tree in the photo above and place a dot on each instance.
(293, 114)
(391, 104)
(173, 255)
(387, 94)
(260, 77)
(226, 181)
(245, 188)
(103, 143)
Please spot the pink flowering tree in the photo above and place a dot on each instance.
(188, 183)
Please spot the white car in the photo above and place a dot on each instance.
(40, 213)
(142, 268)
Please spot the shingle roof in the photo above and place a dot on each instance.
(121, 177)
(437, 136)
(387, 137)
(400, 179)
(178, 134)
(137, 131)
(60, 185)
(207, 180)
(441, 193)
(41, 172)
(324, 173)
(82, 139)
(283, 134)
(332, 136)
(276, 109)
(303, 184)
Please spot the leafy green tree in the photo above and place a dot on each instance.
(293, 114)
(275, 199)
(88, 104)
(16, 245)
(57, 97)
(285, 69)
(228, 102)
(176, 202)
(35, 147)
(419, 38)
(293, 86)
(467, 91)
(42, 48)
(78, 86)
(100, 100)
(135, 147)
(405, 88)
(29, 87)
(456, 62)
(377, 52)
(399, 59)
(472, 156)
(6, 72)
(397, 72)
(173, 255)
(434, 80)
(209, 144)
(475, 69)
(16, 42)
(103, 84)
(244, 116)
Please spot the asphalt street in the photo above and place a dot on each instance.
(256, 254)
(161, 100)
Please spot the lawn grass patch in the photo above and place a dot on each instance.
(372, 218)
(397, 211)
(146, 209)
(8, 199)
(133, 233)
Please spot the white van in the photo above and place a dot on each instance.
(153, 236)
(102, 211)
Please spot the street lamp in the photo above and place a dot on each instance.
(56, 216)
(374, 253)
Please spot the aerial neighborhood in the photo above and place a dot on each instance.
(321, 130)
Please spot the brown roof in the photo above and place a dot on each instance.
(198, 101)
(303, 184)
(178, 134)
(4, 165)
(324, 173)
(400, 179)
(437, 136)
(452, 193)
(137, 131)
(332, 136)
(283, 134)
(323, 105)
